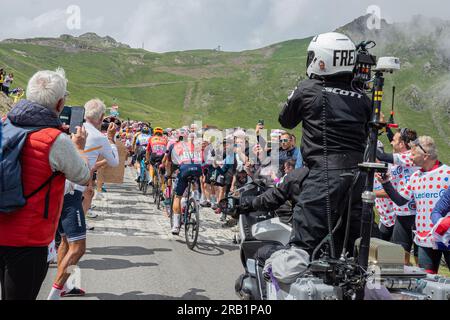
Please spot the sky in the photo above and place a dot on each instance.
(173, 25)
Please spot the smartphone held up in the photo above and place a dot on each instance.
(72, 117)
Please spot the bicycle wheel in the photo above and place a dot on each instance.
(158, 198)
(155, 188)
(192, 225)
(145, 184)
(171, 210)
(141, 182)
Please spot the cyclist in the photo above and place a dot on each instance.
(156, 149)
(136, 132)
(188, 157)
(142, 141)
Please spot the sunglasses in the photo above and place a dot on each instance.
(416, 143)
(284, 140)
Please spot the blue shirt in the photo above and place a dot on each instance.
(442, 207)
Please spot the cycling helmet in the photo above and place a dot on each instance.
(330, 54)
(183, 134)
(158, 130)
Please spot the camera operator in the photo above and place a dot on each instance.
(282, 198)
(335, 128)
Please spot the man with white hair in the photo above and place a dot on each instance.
(72, 225)
(47, 158)
(426, 186)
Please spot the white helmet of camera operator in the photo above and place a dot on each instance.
(330, 54)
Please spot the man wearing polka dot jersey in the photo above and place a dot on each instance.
(385, 209)
(426, 187)
(401, 171)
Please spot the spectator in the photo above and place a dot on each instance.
(2, 79)
(426, 187)
(72, 225)
(441, 232)
(288, 151)
(7, 83)
(26, 233)
(401, 171)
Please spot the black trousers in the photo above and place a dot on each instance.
(310, 224)
(22, 272)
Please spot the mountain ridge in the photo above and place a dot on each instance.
(230, 89)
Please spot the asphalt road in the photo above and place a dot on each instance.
(131, 254)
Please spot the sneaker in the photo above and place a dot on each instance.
(75, 292)
(89, 228)
(104, 189)
(91, 215)
(176, 231)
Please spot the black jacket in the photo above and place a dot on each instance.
(288, 190)
(347, 116)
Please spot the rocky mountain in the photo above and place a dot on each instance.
(88, 42)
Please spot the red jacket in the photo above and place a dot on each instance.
(29, 226)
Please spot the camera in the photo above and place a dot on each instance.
(388, 64)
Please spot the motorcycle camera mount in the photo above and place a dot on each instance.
(370, 166)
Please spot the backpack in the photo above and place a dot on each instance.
(12, 141)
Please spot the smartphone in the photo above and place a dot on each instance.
(73, 117)
(65, 116)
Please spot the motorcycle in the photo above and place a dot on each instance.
(257, 230)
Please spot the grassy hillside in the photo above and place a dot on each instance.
(228, 89)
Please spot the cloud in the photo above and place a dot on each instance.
(169, 25)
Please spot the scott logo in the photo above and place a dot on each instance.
(343, 92)
(344, 58)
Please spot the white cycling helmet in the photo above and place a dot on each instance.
(330, 54)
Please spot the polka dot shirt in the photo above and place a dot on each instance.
(426, 188)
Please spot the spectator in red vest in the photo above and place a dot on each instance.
(48, 157)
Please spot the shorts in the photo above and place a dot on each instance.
(141, 152)
(186, 171)
(208, 173)
(155, 159)
(72, 223)
(430, 259)
(403, 231)
(385, 232)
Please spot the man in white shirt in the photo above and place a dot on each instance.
(72, 225)
(97, 145)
